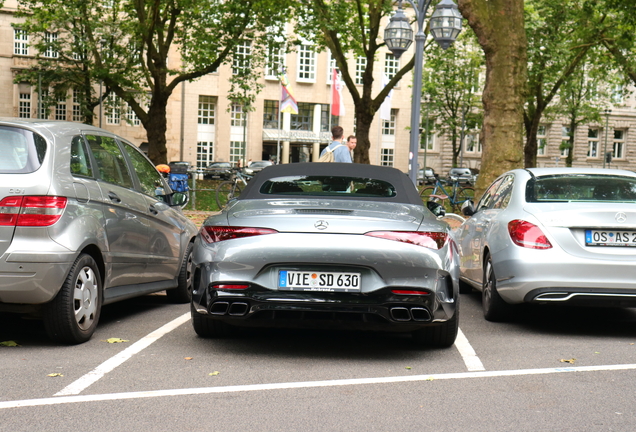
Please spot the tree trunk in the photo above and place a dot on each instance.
(156, 127)
(499, 27)
(363, 125)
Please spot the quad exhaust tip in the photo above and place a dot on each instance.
(227, 308)
(404, 314)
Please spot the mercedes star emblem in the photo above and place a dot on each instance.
(321, 224)
(620, 217)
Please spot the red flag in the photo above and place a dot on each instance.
(337, 103)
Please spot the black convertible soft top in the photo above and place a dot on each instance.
(405, 189)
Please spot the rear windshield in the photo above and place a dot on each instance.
(328, 186)
(21, 151)
(581, 187)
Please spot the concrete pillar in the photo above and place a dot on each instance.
(315, 154)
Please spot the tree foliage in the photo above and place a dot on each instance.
(133, 47)
(450, 82)
(351, 29)
(560, 35)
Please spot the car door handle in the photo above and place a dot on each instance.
(113, 197)
(153, 210)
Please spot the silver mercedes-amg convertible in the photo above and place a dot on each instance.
(327, 246)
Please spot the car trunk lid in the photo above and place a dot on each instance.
(331, 216)
(567, 223)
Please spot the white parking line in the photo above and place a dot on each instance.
(82, 383)
(467, 352)
(307, 384)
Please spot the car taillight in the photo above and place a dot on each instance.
(526, 234)
(213, 234)
(230, 286)
(431, 240)
(33, 211)
(410, 292)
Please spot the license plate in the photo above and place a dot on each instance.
(318, 281)
(610, 238)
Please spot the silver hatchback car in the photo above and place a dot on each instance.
(85, 220)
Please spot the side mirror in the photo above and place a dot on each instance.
(468, 208)
(178, 199)
(436, 208)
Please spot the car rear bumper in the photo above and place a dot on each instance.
(383, 311)
(534, 278)
(32, 278)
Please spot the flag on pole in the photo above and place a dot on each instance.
(385, 108)
(288, 101)
(337, 102)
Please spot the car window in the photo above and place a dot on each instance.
(148, 176)
(581, 187)
(502, 196)
(21, 151)
(328, 185)
(110, 160)
(486, 200)
(80, 161)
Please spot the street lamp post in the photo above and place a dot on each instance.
(445, 25)
(607, 113)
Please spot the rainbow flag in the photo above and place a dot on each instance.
(288, 101)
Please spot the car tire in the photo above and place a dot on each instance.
(183, 292)
(439, 335)
(73, 314)
(206, 327)
(494, 307)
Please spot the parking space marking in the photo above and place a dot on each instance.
(467, 352)
(82, 383)
(306, 384)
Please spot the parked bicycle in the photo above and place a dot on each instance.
(229, 189)
(452, 198)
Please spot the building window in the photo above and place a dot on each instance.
(76, 107)
(131, 117)
(44, 106)
(60, 108)
(386, 157)
(303, 120)
(236, 151)
(542, 142)
(391, 65)
(275, 62)
(270, 114)
(361, 66)
(205, 154)
(592, 143)
(50, 39)
(619, 144)
(618, 94)
(207, 108)
(331, 65)
(237, 116)
(388, 126)
(471, 143)
(20, 42)
(24, 108)
(306, 63)
(241, 60)
(113, 110)
(565, 141)
(325, 113)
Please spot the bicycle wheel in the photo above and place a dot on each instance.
(426, 194)
(226, 191)
(462, 196)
